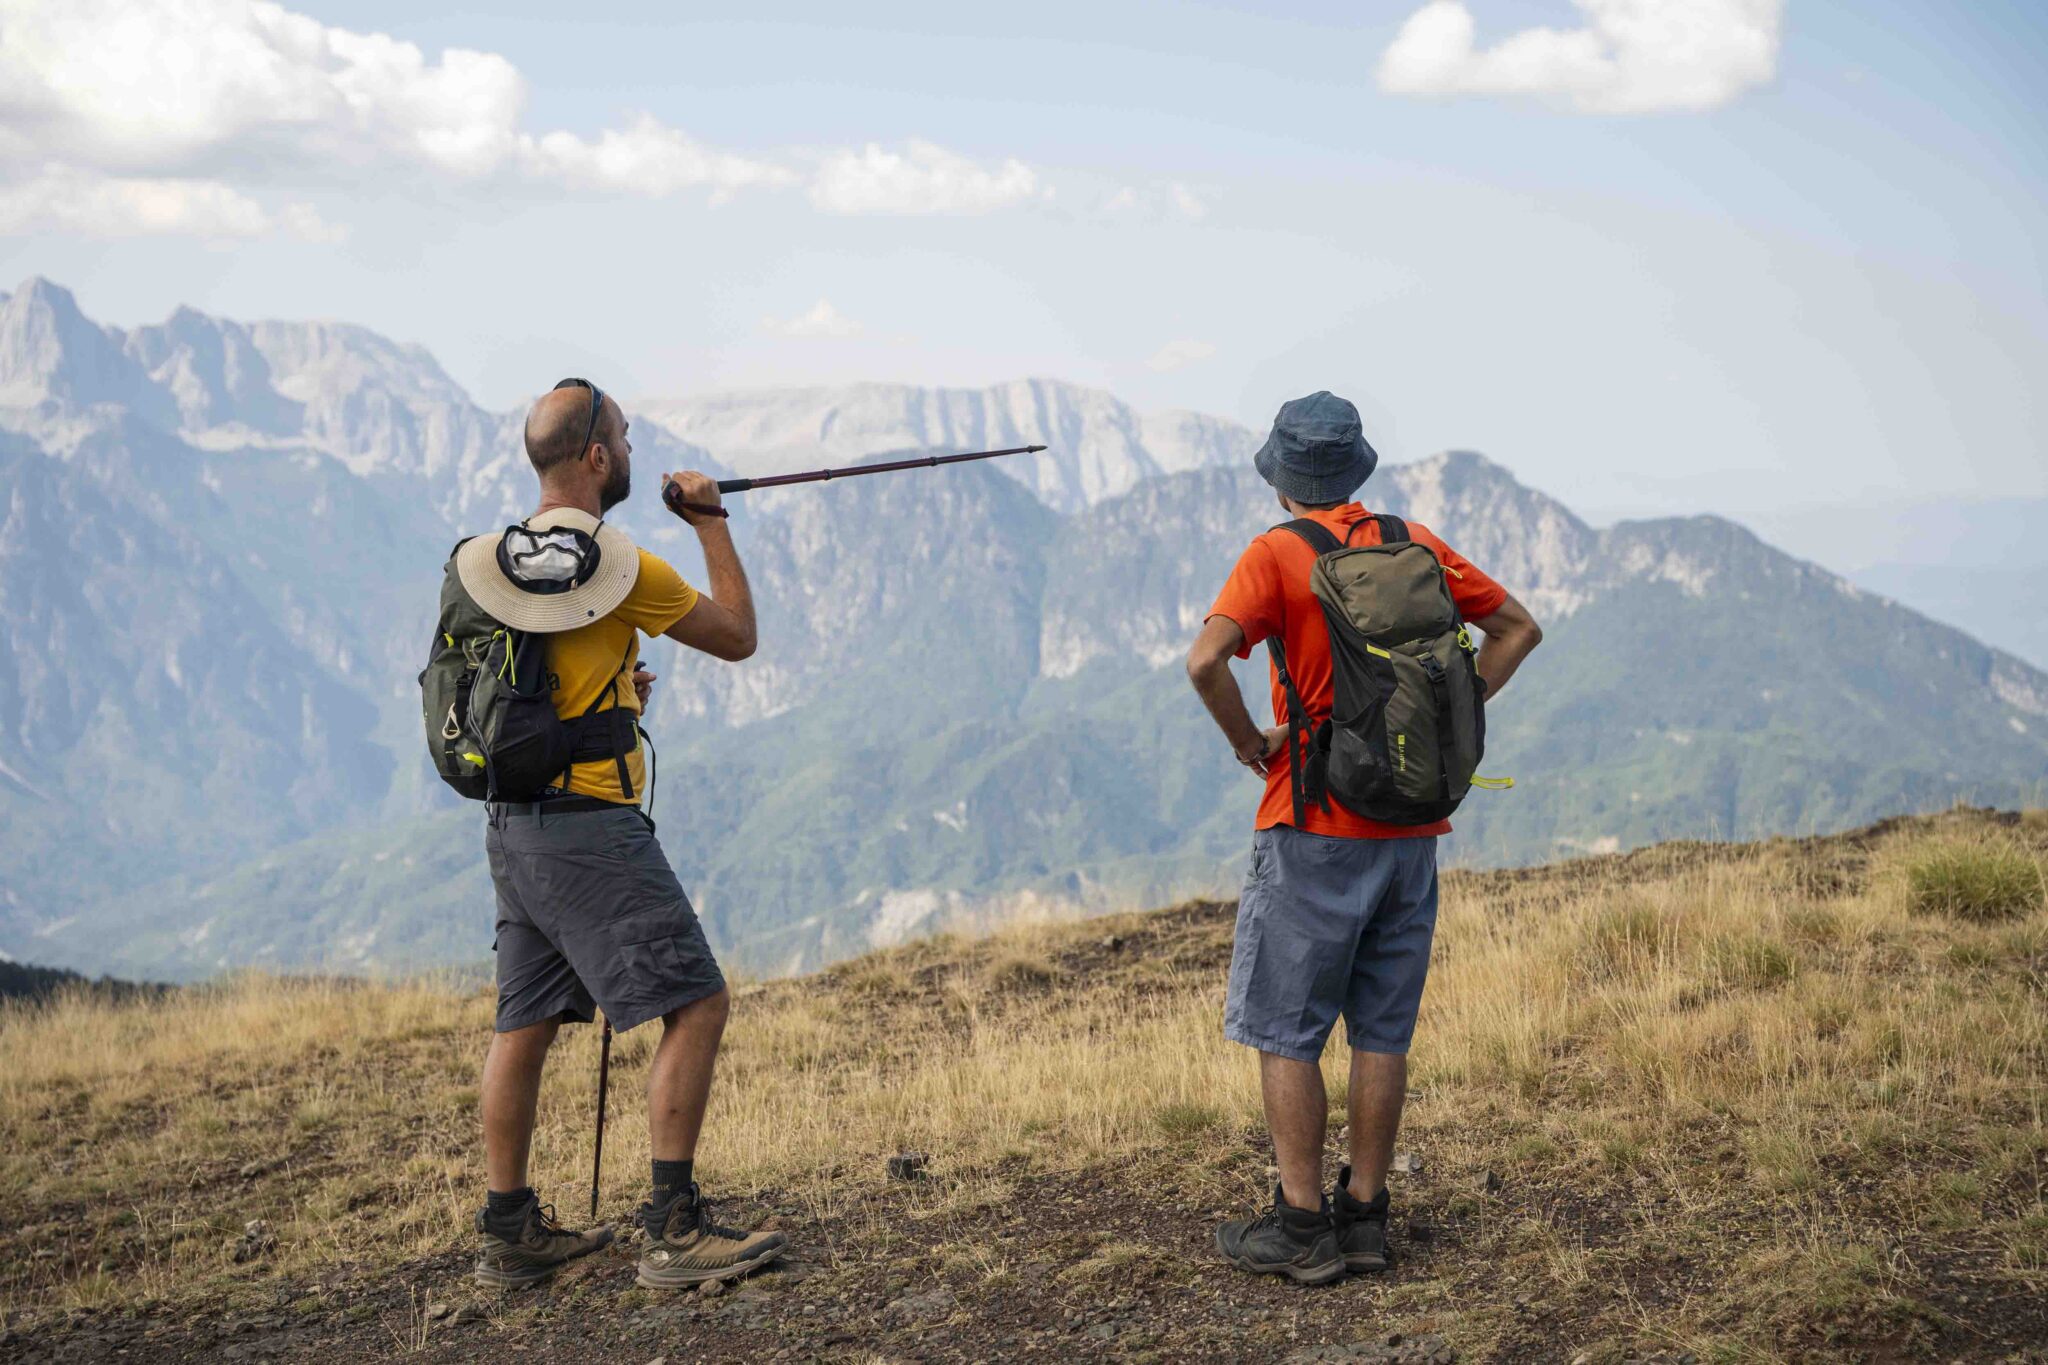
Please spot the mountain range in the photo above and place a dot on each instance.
(220, 545)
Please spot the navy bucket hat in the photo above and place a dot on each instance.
(1317, 452)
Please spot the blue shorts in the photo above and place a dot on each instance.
(1329, 926)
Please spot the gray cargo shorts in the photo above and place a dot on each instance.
(1329, 926)
(590, 914)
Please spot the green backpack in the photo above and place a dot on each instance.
(1402, 742)
(487, 700)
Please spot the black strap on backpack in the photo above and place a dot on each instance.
(1307, 786)
(610, 733)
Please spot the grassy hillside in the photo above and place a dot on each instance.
(1741, 1103)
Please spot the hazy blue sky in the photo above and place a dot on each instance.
(1705, 255)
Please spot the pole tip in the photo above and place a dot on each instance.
(1031, 449)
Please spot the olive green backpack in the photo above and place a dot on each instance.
(487, 698)
(1403, 740)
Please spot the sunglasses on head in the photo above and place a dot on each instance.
(596, 406)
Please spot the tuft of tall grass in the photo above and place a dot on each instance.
(1975, 879)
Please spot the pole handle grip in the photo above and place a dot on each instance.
(735, 485)
(672, 495)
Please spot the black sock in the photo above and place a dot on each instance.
(671, 1178)
(506, 1209)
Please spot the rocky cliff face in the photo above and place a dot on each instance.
(1097, 446)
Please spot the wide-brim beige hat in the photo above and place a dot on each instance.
(554, 603)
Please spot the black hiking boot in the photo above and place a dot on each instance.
(1361, 1228)
(538, 1248)
(1298, 1243)
(685, 1247)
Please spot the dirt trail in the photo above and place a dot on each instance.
(1069, 1267)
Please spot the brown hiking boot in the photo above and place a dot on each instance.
(685, 1247)
(540, 1249)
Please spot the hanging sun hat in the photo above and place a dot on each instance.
(555, 571)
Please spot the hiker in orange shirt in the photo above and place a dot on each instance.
(1339, 907)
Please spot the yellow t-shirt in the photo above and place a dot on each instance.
(582, 664)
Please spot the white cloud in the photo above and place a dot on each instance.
(647, 157)
(1158, 202)
(179, 87)
(820, 320)
(1186, 202)
(93, 205)
(189, 115)
(1631, 57)
(920, 179)
(1179, 353)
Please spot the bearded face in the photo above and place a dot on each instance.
(618, 483)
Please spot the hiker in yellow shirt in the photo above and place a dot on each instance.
(590, 914)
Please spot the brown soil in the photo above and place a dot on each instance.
(1118, 1262)
(1072, 1266)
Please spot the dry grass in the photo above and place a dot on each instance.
(1771, 1039)
(1975, 879)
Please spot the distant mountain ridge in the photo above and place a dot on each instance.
(387, 409)
(220, 544)
(1098, 447)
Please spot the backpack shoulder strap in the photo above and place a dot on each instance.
(1299, 724)
(615, 724)
(1393, 530)
(1314, 532)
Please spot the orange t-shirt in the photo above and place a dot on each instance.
(1268, 594)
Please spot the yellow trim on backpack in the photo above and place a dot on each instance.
(1493, 784)
(1371, 648)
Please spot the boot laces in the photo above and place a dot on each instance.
(657, 1221)
(543, 1220)
(709, 1228)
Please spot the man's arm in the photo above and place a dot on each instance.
(722, 622)
(1511, 632)
(1209, 671)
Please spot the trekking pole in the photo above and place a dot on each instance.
(672, 494)
(604, 1075)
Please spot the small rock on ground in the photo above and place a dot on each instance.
(1393, 1349)
(936, 1303)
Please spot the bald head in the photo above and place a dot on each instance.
(555, 425)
